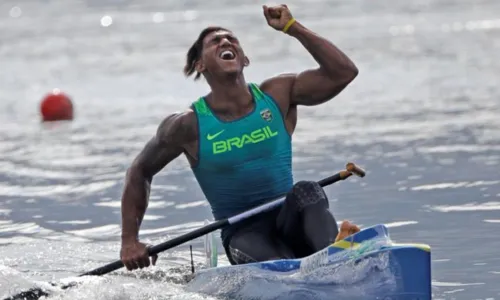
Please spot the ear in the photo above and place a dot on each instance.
(247, 61)
(199, 66)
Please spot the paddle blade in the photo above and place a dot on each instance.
(32, 294)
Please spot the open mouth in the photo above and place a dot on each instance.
(227, 55)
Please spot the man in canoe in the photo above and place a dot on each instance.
(237, 140)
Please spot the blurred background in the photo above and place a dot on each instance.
(422, 117)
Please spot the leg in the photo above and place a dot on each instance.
(305, 221)
(255, 243)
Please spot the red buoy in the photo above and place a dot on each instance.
(56, 106)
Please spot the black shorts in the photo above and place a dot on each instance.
(301, 226)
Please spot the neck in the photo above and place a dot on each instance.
(230, 96)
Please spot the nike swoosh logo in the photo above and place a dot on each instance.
(211, 137)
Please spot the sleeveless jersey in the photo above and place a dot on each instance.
(245, 162)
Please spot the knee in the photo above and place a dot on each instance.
(306, 193)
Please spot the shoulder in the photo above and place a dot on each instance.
(280, 89)
(278, 85)
(179, 127)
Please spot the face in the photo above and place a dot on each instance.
(222, 54)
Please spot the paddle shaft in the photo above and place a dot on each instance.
(215, 226)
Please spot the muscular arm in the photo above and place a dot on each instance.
(172, 134)
(314, 86)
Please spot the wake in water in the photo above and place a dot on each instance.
(346, 280)
(369, 265)
(148, 284)
(11, 282)
(61, 264)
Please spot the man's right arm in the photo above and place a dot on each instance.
(168, 143)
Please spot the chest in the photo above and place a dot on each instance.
(258, 136)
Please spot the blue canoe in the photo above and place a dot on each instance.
(367, 264)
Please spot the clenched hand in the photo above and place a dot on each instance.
(135, 255)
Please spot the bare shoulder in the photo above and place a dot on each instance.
(279, 87)
(173, 136)
(178, 128)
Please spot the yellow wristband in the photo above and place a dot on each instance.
(288, 24)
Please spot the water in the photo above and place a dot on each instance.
(422, 118)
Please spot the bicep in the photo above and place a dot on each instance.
(155, 156)
(312, 87)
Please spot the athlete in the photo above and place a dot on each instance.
(237, 139)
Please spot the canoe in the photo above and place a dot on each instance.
(368, 263)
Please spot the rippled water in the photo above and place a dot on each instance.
(423, 118)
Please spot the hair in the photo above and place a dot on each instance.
(194, 53)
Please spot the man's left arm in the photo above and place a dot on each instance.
(335, 71)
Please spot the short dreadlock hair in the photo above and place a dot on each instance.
(194, 53)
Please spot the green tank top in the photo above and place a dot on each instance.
(245, 162)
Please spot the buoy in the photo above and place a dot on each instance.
(56, 106)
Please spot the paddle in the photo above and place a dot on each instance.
(351, 169)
